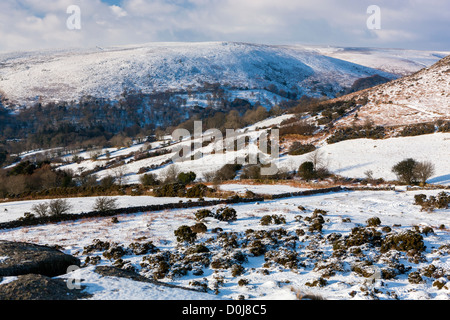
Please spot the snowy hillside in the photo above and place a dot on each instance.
(350, 158)
(106, 72)
(421, 97)
(397, 61)
(353, 158)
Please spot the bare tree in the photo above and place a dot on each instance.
(59, 207)
(40, 209)
(105, 204)
(119, 175)
(424, 171)
(317, 158)
(171, 174)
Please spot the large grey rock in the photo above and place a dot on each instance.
(38, 287)
(18, 258)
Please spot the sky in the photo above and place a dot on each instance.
(410, 24)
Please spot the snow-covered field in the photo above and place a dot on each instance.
(352, 158)
(264, 277)
(260, 188)
(14, 210)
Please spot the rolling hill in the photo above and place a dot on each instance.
(27, 77)
(418, 98)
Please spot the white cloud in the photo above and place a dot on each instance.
(118, 11)
(33, 24)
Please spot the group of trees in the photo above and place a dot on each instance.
(410, 171)
(32, 177)
(60, 207)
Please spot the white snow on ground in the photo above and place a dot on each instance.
(113, 288)
(352, 158)
(394, 208)
(13, 210)
(260, 189)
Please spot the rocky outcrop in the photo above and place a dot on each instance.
(19, 258)
(39, 287)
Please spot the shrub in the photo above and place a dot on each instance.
(227, 172)
(373, 222)
(257, 248)
(199, 248)
(251, 172)
(415, 278)
(27, 216)
(298, 149)
(439, 284)
(187, 177)
(358, 237)
(300, 128)
(441, 201)
(243, 282)
(319, 212)
(148, 180)
(357, 132)
(418, 129)
(171, 190)
(237, 270)
(419, 199)
(283, 256)
(444, 127)
(143, 248)
(321, 282)
(226, 214)
(306, 170)
(404, 241)
(316, 225)
(59, 207)
(105, 204)
(202, 214)
(272, 219)
(199, 228)
(185, 234)
(97, 245)
(115, 252)
(405, 171)
(198, 191)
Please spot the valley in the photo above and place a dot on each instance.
(120, 159)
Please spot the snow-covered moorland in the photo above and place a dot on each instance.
(276, 249)
(157, 67)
